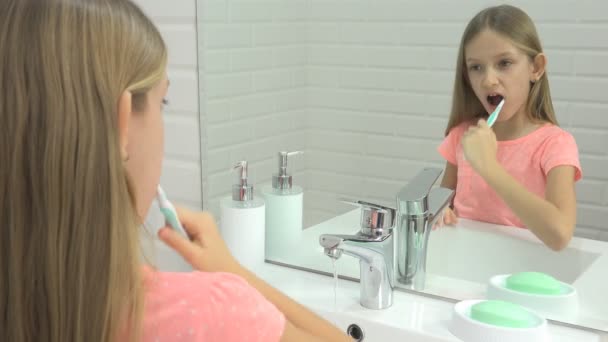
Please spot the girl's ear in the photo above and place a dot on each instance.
(538, 67)
(124, 114)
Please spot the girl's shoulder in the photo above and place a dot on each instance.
(459, 129)
(550, 133)
(204, 306)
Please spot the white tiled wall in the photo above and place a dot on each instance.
(364, 87)
(181, 176)
(254, 90)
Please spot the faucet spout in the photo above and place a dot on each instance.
(375, 260)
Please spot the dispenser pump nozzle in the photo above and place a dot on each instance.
(283, 180)
(242, 191)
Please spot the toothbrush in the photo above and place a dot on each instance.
(168, 211)
(494, 115)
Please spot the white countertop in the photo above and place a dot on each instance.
(584, 263)
(410, 312)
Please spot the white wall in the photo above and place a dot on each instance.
(364, 87)
(253, 57)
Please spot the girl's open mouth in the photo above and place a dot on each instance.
(494, 99)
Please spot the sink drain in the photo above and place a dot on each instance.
(355, 332)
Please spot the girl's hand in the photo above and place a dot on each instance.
(206, 251)
(448, 218)
(480, 146)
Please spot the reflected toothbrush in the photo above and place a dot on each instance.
(168, 211)
(494, 115)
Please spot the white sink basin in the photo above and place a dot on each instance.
(478, 253)
(411, 318)
(372, 331)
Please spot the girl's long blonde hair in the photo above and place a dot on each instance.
(69, 248)
(514, 24)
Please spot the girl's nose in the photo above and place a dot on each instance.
(490, 78)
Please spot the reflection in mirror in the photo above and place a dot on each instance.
(365, 90)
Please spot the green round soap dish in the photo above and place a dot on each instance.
(534, 283)
(494, 320)
(503, 314)
(537, 291)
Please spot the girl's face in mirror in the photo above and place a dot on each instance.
(145, 147)
(498, 70)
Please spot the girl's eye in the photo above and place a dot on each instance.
(474, 67)
(505, 63)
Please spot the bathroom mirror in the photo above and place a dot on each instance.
(363, 88)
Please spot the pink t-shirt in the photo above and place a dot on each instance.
(200, 306)
(528, 159)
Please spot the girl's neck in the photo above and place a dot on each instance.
(517, 126)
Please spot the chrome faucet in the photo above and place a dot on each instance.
(373, 246)
(418, 208)
(390, 250)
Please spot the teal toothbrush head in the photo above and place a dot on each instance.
(168, 211)
(492, 118)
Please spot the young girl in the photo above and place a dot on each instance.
(82, 86)
(521, 171)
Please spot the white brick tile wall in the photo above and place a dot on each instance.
(227, 36)
(432, 34)
(161, 11)
(212, 11)
(339, 56)
(218, 62)
(285, 56)
(589, 115)
(253, 92)
(183, 91)
(179, 38)
(400, 57)
(364, 87)
(586, 63)
(252, 106)
(228, 85)
(278, 34)
(182, 137)
(327, 10)
(246, 11)
(370, 34)
(574, 35)
(248, 59)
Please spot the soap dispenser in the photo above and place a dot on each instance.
(243, 221)
(284, 206)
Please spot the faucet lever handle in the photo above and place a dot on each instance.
(439, 199)
(364, 204)
(376, 219)
(413, 198)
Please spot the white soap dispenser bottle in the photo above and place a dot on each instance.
(284, 206)
(243, 221)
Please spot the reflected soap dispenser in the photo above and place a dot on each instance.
(243, 221)
(284, 204)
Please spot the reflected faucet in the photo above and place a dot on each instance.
(393, 247)
(418, 208)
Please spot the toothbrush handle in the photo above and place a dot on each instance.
(173, 221)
